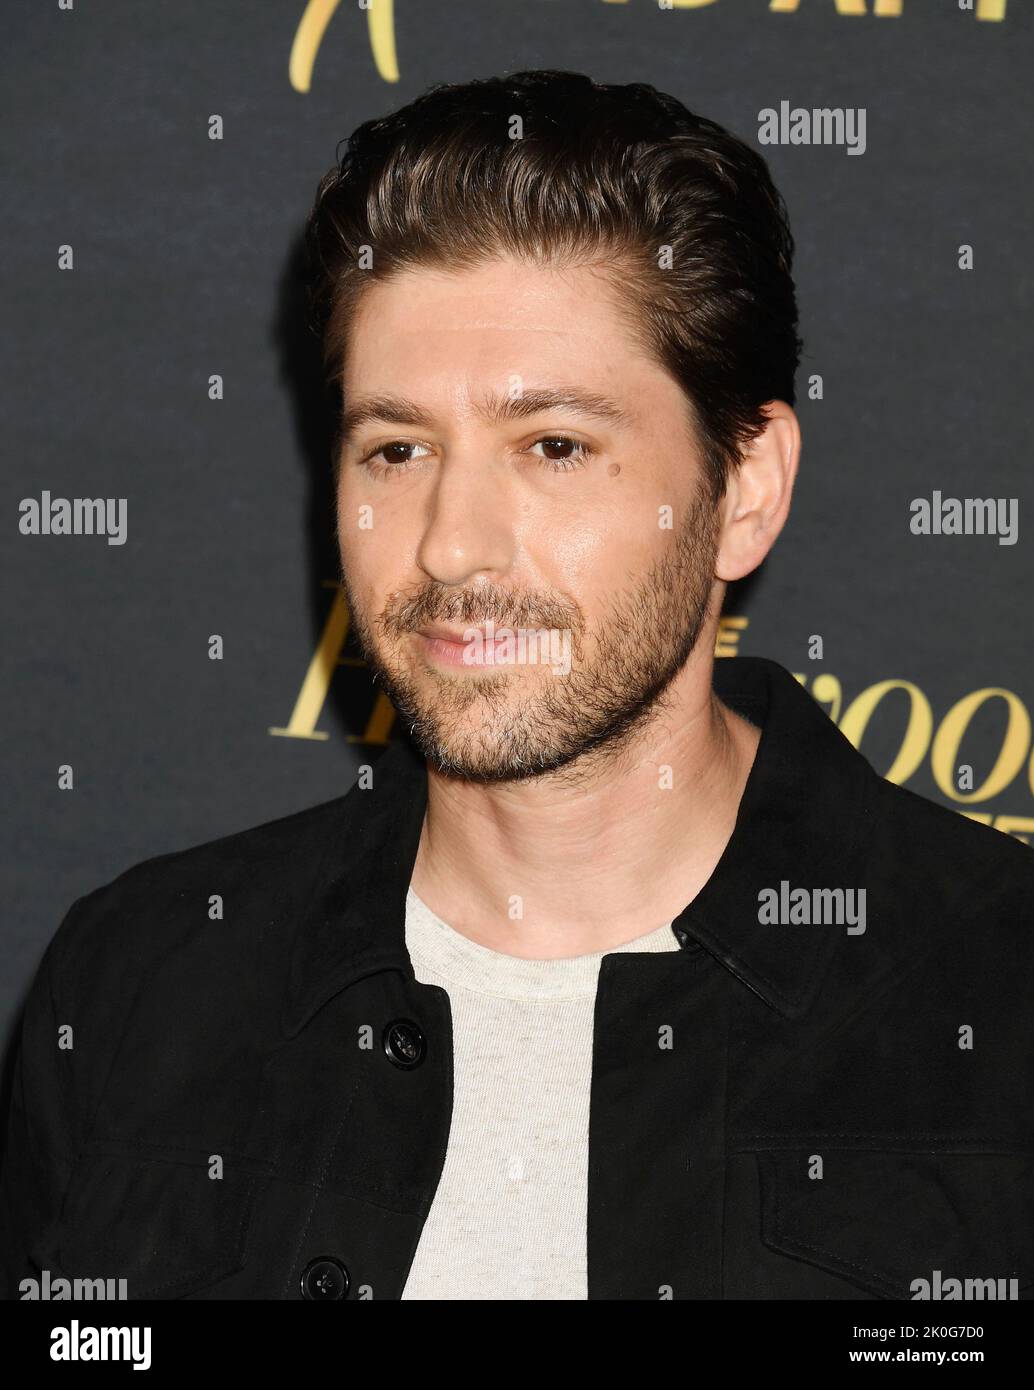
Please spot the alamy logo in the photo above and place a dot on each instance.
(786, 906)
(76, 516)
(827, 125)
(965, 516)
(59, 1288)
(84, 1343)
(947, 1289)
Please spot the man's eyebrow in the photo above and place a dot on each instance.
(398, 410)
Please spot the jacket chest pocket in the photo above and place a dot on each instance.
(886, 1220)
(159, 1222)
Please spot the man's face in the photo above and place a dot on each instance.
(568, 547)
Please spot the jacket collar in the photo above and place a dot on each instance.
(803, 818)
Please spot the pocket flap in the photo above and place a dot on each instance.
(885, 1220)
(160, 1223)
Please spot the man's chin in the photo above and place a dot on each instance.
(482, 742)
(482, 762)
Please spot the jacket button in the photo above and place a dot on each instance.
(325, 1278)
(404, 1043)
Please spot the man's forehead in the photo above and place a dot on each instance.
(406, 366)
(504, 295)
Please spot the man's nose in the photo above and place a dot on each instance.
(470, 520)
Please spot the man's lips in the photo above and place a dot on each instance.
(471, 633)
(448, 634)
(450, 646)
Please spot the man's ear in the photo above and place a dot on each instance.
(757, 499)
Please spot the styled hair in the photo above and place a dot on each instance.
(681, 217)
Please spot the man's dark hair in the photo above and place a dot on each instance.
(680, 216)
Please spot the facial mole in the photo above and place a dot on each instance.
(614, 469)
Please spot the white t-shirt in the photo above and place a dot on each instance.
(508, 1220)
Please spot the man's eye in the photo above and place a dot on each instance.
(565, 462)
(390, 458)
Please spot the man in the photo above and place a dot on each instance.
(629, 978)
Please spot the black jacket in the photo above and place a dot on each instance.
(258, 1105)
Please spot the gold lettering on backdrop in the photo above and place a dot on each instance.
(380, 25)
(917, 735)
(826, 691)
(944, 752)
(944, 756)
(887, 9)
(313, 695)
(1020, 826)
(727, 638)
(843, 6)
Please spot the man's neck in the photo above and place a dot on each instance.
(543, 867)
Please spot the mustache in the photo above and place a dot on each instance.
(435, 603)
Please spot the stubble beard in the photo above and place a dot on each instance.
(567, 723)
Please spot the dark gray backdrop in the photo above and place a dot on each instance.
(185, 265)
